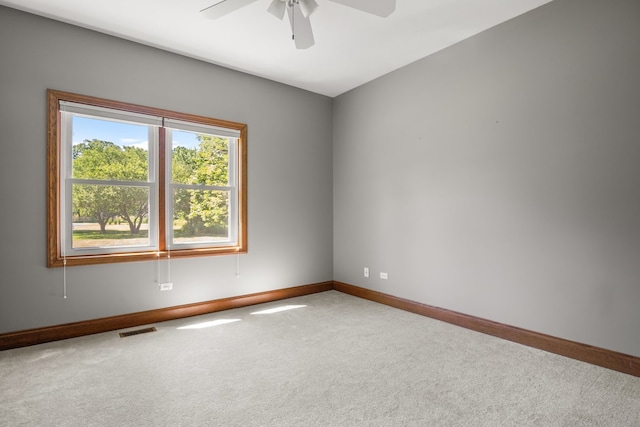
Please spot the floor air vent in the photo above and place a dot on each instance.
(136, 332)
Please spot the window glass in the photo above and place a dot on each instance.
(109, 216)
(200, 216)
(199, 158)
(200, 188)
(109, 150)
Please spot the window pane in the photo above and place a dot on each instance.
(199, 159)
(109, 216)
(104, 149)
(200, 216)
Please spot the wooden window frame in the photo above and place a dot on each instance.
(55, 255)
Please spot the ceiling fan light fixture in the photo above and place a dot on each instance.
(277, 8)
(307, 7)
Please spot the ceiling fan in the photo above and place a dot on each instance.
(299, 12)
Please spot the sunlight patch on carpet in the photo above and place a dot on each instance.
(278, 309)
(209, 324)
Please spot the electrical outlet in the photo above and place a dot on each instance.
(166, 286)
(366, 272)
(384, 276)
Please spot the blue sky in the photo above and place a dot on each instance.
(122, 133)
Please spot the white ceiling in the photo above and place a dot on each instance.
(351, 47)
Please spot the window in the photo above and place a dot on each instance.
(128, 182)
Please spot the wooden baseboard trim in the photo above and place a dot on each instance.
(106, 324)
(586, 353)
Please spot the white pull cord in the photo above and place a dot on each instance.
(64, 276)
(168, 264)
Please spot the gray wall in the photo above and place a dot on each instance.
(501, 177)
(290, 181)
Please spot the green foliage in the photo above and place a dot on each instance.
(203, 212)
(212, 161)
(104, 160)
(95, 159)
(95, 202)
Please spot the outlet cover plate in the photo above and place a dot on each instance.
(166, 286)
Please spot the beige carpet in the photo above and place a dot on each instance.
(337, 361)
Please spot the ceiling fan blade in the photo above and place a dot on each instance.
(381, 8)
(301, 28)
(307, 7)
(224, 7)
(277, 8)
